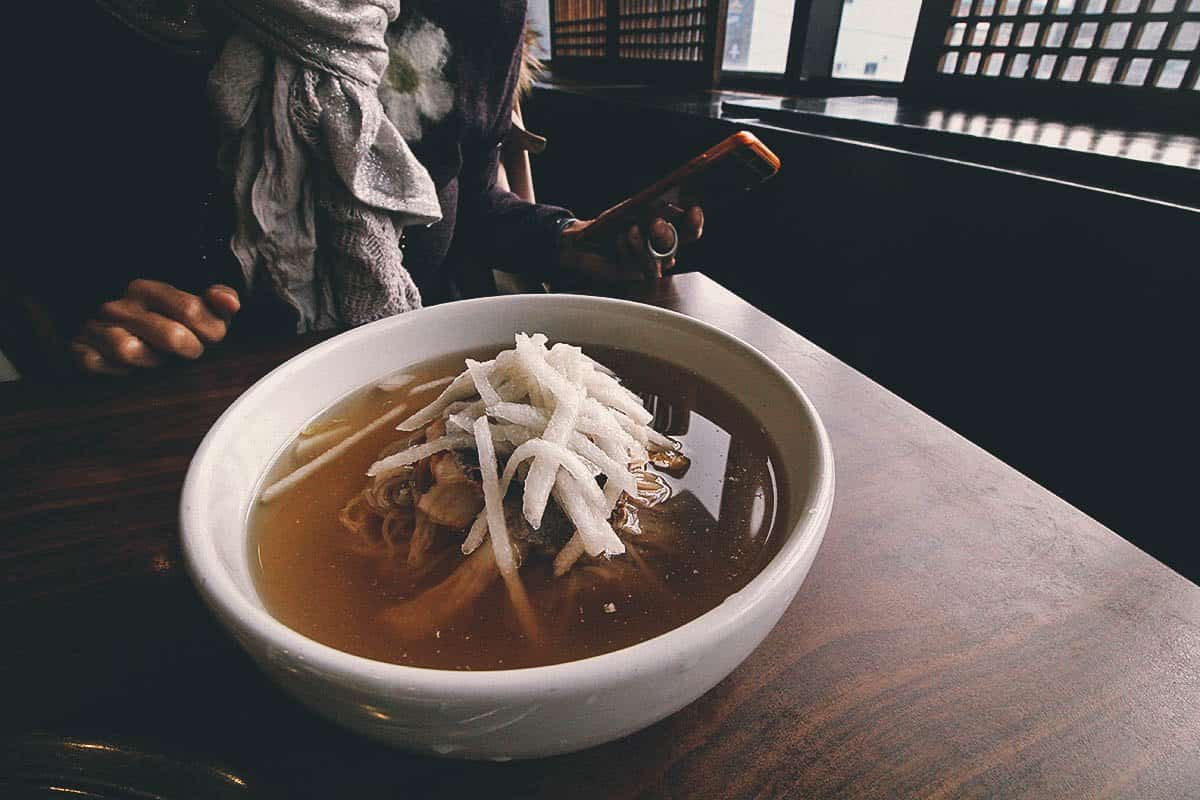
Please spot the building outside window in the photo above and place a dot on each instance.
(875, 38)
(756, 35)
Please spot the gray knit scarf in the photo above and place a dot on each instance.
(323, 182)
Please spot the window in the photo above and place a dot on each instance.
(538, 20)
(1085, 35)
(1044, 68)
(1115, 35)
(1073, 71)
(1138, 43)
(1055, 34)
(1024, 50)
(1186, 37)
(757, 35)
(1103, 70)
(1171, 74)
(1019, 66)
(1150, 35)
(1136, 71)
(880, 32)
(852, 39)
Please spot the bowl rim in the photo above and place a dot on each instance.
(218, 589)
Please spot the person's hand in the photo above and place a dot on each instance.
(644, 251)
(154, 321)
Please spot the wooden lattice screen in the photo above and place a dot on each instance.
(1132, 53)
(671, 41)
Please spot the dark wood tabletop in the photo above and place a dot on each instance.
(962, 633)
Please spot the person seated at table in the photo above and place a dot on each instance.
(363, 178)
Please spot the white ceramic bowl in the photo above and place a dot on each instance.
(520, 713)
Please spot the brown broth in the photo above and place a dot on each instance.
(722, 515)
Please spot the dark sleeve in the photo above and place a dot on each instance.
(133, 173)
(521, 236)
(515, 235)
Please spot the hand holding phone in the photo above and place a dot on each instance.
(719, 175)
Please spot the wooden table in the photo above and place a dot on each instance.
(963, 633)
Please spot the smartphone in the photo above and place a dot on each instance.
(719, 175)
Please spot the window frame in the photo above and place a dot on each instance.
(813, 42)
(809, 69)
(812, 45)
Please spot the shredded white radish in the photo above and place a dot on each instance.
(511, 434)
(596, 365)
(396, 381)
(477, 533)
(569, 360)
(566, 396)
(613, 492)
(571, 552)
(429, 386)
(493, 499)
(606, 390)
(544, 467)
(539, 394)
(339, 449)
(309, 447)
(599, 538)
(521, 414)
(460, 388)
(617, 475)
(558, 455)
(414, 454)
(508, 389)
(566, 420)
(479, 376)
(644, 434)
(607, 424)
(464, 421)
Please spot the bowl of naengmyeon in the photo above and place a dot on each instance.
(509, 527)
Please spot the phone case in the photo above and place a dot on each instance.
(736, 164)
